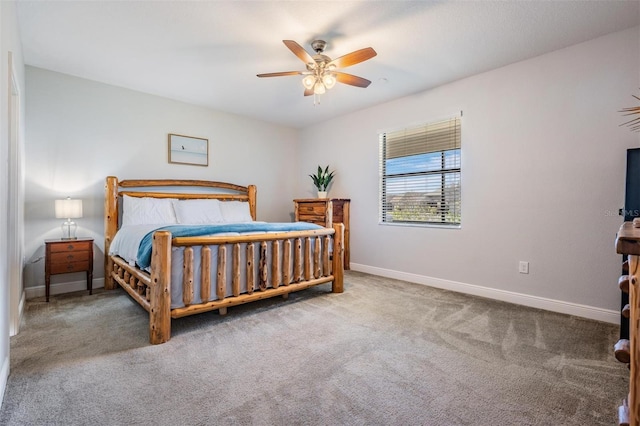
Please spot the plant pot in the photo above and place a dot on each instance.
(322, 194)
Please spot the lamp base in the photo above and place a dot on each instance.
(69, 230)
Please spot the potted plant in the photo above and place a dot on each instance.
(321, 180)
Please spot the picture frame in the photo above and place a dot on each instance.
(188, 150)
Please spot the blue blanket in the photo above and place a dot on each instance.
(144, 252)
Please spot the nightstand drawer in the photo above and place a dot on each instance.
(71, 246)
(69, 256)
(67, 267)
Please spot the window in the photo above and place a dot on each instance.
(420, 174)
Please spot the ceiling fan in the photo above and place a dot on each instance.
(321, 71)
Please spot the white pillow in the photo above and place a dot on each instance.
(147, 211)
(198, 211)
(235, 211)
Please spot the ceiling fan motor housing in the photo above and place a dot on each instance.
(318, 45)
(320, 59)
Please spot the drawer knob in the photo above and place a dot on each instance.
(70, 257)
(70, 247)
(69, 267)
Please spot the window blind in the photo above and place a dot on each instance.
(420, 174)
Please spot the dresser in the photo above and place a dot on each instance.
(67, 256)
(326, 212)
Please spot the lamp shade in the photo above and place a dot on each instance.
(68, 208)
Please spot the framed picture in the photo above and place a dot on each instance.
(188, 150)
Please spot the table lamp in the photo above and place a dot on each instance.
(68, 209)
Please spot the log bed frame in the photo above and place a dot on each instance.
(311, 266)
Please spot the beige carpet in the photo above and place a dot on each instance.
(384, 352)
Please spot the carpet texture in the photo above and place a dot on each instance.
(384, 352)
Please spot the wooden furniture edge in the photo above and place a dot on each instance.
(346, 219)
(628, 242)
(252, 238)
(110, 227)
(628, 239)
(338, 259)
(321, 200)
(143, 183)
(246, 298)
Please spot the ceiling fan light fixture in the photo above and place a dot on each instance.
(309, 81)
(319, 88)
(329, 80)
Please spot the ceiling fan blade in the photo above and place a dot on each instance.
(280, 74)
(308, 92)
(299, 51)
(353, 58)
(352, 80)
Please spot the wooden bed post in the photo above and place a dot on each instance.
(338, 258)
(110, 227)
(252, 193)
(160, 303)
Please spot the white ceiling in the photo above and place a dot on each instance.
(209, 52)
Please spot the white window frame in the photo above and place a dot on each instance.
(429, 205)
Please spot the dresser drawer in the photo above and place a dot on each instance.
(312, 209)
(66, 267)
(319, 219)
(71, 246)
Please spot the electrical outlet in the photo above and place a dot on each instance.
(523, 267)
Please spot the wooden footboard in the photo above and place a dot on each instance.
(289, 268)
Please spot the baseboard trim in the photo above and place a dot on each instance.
(4, 376)
(584, 311)
(60, 288)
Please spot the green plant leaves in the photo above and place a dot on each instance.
(322, 178)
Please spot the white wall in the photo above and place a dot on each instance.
(81, 131)
(543, 169)
(9, 42)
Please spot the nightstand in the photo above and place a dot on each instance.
(325, 212)
(66, 256)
